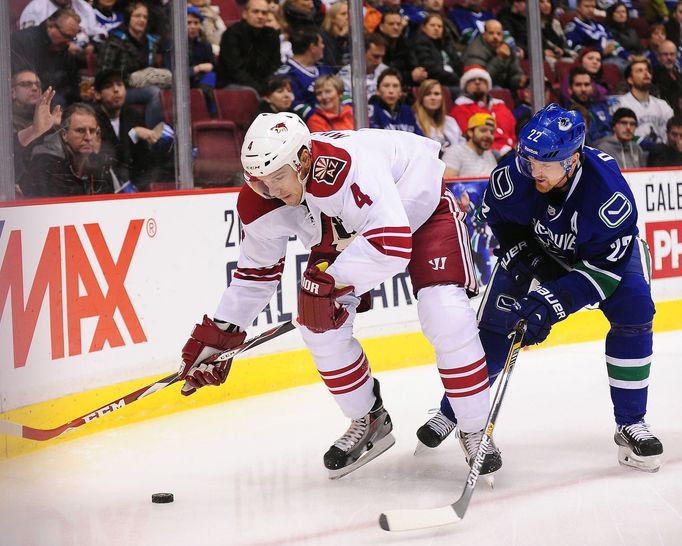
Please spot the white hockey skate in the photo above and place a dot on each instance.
(365, 439)
(638, 447)
(432, 433)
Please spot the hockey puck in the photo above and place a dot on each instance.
(162, 498)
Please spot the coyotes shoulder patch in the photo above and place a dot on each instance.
(331, 166)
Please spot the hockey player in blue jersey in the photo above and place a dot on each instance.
(565, 216)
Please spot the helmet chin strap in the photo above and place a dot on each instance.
(303, 183)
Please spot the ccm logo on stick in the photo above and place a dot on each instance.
(664, 241)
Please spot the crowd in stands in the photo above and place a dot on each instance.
(91, 79)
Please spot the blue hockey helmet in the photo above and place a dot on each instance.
(552, 134)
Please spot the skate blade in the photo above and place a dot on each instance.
(421, 448)
(645, 464)
(377, 449)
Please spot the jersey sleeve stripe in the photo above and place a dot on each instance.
(604, 282)
(392, 230)
(391, 251)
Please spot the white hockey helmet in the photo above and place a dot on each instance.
(272, 141)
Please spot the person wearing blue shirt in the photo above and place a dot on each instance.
(565, 217)
(387, 109)
(595, 112)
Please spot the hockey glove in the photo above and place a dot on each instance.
(526, 260)
(541, 309)
(318, 309)
(207, 339)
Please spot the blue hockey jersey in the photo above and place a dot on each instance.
(303, 84)
(591, 229)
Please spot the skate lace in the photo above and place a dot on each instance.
(472, 440)
(352, 436)
(441, 424)
(639, 431)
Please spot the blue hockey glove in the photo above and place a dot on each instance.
(541, 309)
(526, 260)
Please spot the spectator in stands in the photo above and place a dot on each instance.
(278, 96)
(524, 109)
(335, 33)
(618, 24)
(410, 14)
(474, 157)
(667, 77)
(652, 113)
(126, 141)
(398, 49)
(212, 25)
(304, 68)
(90, 31)
(584, 31)
(249, 51)
(475, 83)
(674, 24)
(429, 109)
(375, 49)
(133, 51)
(513, 19)
(657, 37)
(655, 11)
(595, 112)
(490, 51)
(202, 74)
(553, 37)
(590, 60)
(44, 50)
(450, 31)
(670, 154)
(469, 19)
(330, 114)
(63, 164)
(32, 118)
(437, 55)
(621, 145)
(107, 14)
(387, 109)
(300, 14)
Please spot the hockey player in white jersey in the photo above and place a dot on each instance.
(370, 203)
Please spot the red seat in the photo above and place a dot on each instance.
(218, 145)
(547, 68)
(237, 105)
(612, 76)
(641, 26)
(562, 70)
(161, 186)
(198, 108)
(503, 94)
(230, 11)
(16, 7)
(566, 17)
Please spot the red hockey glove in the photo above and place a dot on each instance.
(207, 339)
(318, 309)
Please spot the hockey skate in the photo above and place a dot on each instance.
(365, 439)
(493, 459)
(433, 432)
(638, 447)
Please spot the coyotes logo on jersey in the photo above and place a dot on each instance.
(327, 169)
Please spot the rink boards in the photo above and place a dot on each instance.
(97, 297)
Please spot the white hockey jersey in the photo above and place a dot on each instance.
(379, 185)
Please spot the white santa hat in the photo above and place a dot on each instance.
(471, 72)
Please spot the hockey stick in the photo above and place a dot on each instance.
(406, 520)
(30, 433)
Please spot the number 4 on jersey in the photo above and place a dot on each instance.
(361, 199)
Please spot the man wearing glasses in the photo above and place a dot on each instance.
(622, 145)
(45, 50)
(32, 118)
(66, 163)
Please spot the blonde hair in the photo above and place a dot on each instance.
(332, 11)
(428, 121)
(336, 82)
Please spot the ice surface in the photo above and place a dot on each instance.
(250, 472)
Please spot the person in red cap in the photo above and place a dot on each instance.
(475, 84)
